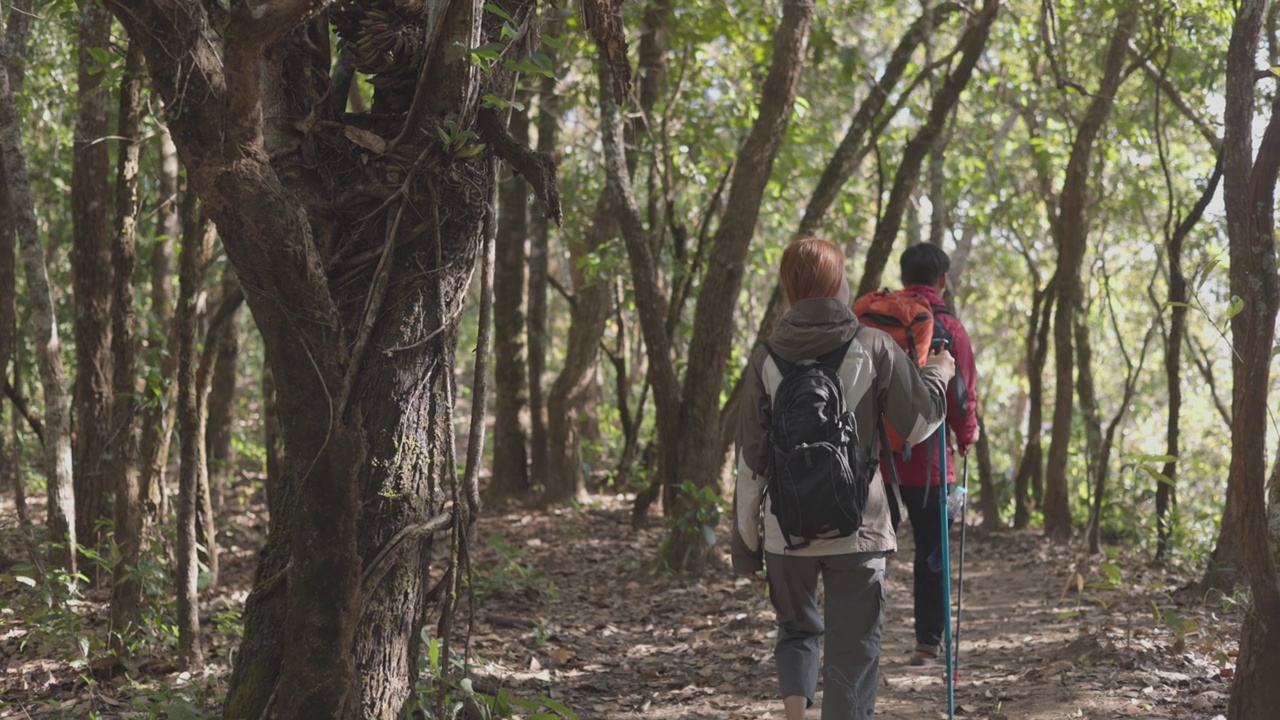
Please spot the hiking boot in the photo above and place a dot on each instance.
(924, 655)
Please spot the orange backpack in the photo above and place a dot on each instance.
(908, 318)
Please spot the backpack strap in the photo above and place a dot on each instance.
(895, 501)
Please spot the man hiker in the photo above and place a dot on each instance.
(924, 271)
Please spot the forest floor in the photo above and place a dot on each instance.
(570, 610)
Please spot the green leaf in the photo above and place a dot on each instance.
(564, 711)
(25, 580)
(1233, 309)
(499, 12)
(488, 51)
(1112, 571)
(1175, 304)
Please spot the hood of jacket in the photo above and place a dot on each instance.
(813, 327)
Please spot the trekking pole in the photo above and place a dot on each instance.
(964, 513)
(946, 565)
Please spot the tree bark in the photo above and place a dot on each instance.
(1070, 232)
(971, 45)
(510, 457)
(1249, 199)
(61, 523)
(358, 298)
(91, 271)
(126, 592)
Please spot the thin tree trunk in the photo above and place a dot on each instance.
(971, 46)
(220, 325)
(988, 494)
(169, 228)
(1031, 466)
(1087, 393)
(1249, 199)
(17, 31)
(191, 263)
(57, 427)
(161, 411)
(91, 270)
(1101, 464)
(695, 459)
(536, 319)
(589, 316)
(1070, 231)
(1166, 491)
(510, 457)
(126, 592)
(222, 396)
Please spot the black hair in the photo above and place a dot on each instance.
(923, 264)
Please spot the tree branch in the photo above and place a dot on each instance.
(24, 409)
(539, 169)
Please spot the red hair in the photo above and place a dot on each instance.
(811, 268)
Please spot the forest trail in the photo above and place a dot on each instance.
(616, 642)
(569, 609)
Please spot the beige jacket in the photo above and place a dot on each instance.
(879, 379)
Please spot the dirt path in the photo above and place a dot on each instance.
(570, 612)
(617, 642)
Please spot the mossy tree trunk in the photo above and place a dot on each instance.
(357, 296)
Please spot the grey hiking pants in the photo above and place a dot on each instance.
(851, 621)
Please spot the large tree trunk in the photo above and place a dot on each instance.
(510, 457)
(1070, 232)
(53, 378)
(971, 46)
(91, 271)
(126, 591)
(357, 297)
(1249, 198)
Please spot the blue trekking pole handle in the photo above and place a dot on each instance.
(946, 564)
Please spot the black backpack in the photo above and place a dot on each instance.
(819, 475)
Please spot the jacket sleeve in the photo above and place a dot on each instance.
(749, 488)
(962, 405)
(912, 400)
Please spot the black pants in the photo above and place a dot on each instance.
(923, 508)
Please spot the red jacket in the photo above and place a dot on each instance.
(962, 407)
